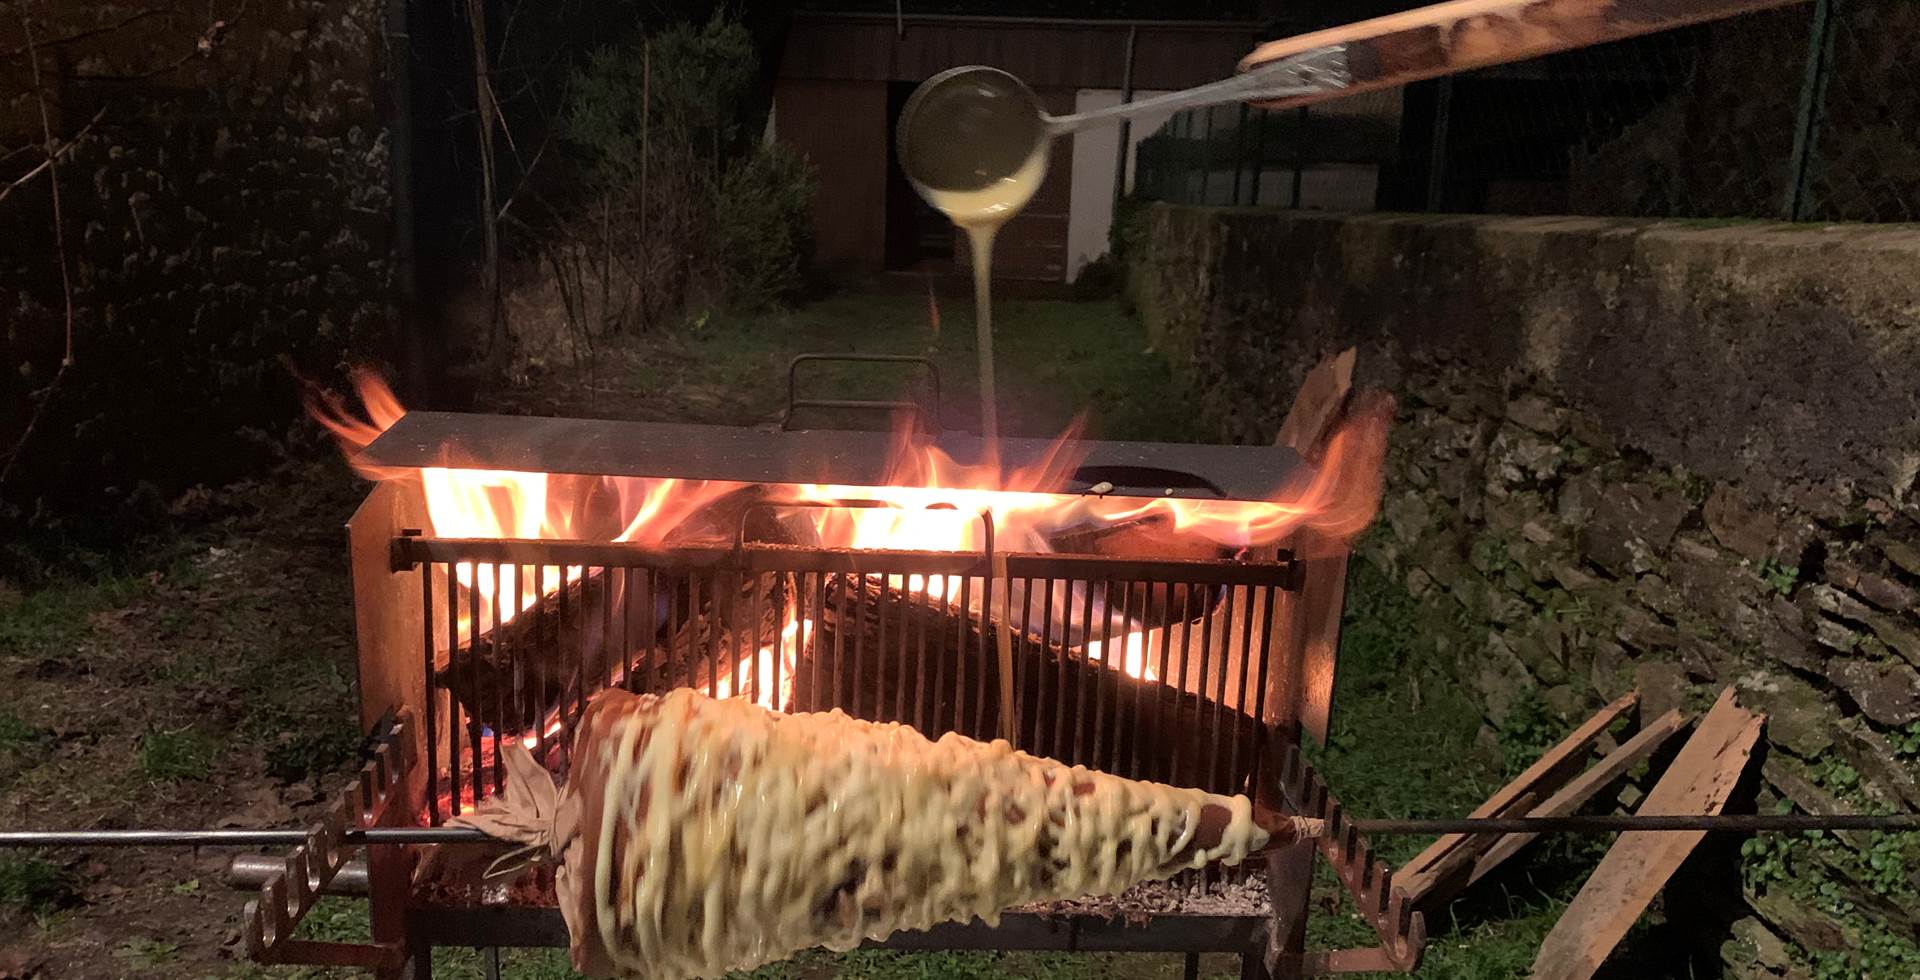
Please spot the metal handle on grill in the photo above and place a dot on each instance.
(929, 420)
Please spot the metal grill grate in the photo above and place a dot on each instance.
(1148, 669)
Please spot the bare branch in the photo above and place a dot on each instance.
(59, 245)
(79, 36)
(202, 47)
(47, 164)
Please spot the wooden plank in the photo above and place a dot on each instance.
(1584, 786)
(1547, 773)
(1640, 862)
(1443, 876)
(1318, 406)
(1447, 38)
(1438, 885)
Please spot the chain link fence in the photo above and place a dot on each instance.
(1804, 113)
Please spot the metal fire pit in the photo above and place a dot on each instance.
(1027, 647)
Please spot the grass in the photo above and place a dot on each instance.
(177, 755)
(1055, 360)
(17, 735)
(35, 885)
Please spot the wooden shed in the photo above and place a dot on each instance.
(844, 77)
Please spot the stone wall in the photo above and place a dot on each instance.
(227, 208)
(1656, 455)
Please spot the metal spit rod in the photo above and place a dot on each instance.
(1595, 824)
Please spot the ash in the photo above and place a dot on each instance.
(1185, 895)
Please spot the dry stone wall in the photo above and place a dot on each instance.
(1630, 454)
(227, 207)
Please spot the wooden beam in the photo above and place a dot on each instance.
(1549, 772)
(1318, 407)
(1438, 885)
(1640, 862)
(1442, 876)
(1448, 38)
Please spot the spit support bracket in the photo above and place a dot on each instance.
(1369, 882)
(288, 894)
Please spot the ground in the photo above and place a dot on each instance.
(204, 678)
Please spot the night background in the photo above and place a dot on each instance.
(1646, 307)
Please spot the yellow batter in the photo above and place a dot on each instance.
(705, 836)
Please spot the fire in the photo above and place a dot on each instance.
(1132, 657)
(935, 502)
(769, 676)
(465, 502)
(932, 502)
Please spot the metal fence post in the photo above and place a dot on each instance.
(1239, 152)
(1126, 126)
(1259, 158)
(1299, 156)
(1206, 155)
(1437, 158)
(1806, 125)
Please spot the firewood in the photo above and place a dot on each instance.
(570, 643)
(513, 674)
(1699, 781)
(1548, 773)
(946, 674)
(1319, 406)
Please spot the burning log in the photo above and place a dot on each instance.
(512, 675)
(884, 653)
(579, 637)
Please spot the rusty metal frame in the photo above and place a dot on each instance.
(1385, 906)
(269, 921)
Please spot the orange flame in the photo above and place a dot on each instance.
(770, 685)
(933, 503)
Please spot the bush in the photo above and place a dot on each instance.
(762, 222)
(688, 205)
(691, 102)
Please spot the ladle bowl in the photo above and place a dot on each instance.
(967, 127)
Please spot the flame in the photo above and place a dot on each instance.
(931, 502)
(1133, 655)
(532, 739)
(769, 676)
(351, 431)
(466, 502)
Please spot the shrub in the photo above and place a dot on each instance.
(762, 222)
(691, 102)
(1099, 279)
(687, 204)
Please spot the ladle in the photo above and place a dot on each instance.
(967, 127)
